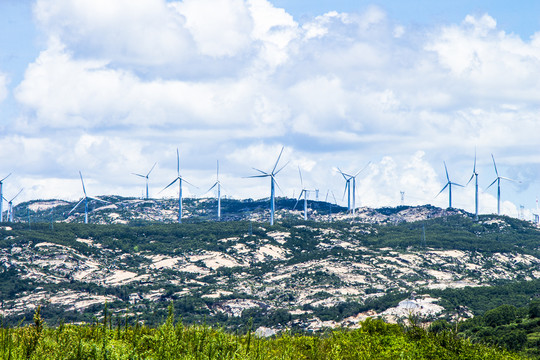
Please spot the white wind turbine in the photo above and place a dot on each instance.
(348, 178)
(347, 189)
(304, 192)
(449, 185)
(218, 185)
(1, 197)
(498, 181)
(180, 180)
(85, 199)
(475, 175)
(146, 177)
(273, 184)
(10, 206)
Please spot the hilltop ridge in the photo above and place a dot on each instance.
(122, 210)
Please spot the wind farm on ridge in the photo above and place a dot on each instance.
(349, 192)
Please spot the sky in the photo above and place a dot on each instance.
(109, 88)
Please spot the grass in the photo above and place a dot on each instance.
(375, 339)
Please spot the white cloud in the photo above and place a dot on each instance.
(235, 79)
(219, 27)
(145, 32)
(3, 87)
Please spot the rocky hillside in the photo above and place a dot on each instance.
(306, 274)
(120, 210)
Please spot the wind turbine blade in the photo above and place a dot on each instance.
(495, 165)
(222, 187)
(445, 169)
(187, 182)
(301, 180)
(79, 203)
(151, 169)
(474, 167)
(494, 181)
(256, 176)
(342, 174)
(299, 197)
(5, 177)
(470, 178)
(334, 196)
(20, 191)
(139, 175)
(345, 191)
(105, 201)
(277, 161)
(326, 198)
(275, 182)
(3, 197)
(213, 186)
(364, 168)
(175, 180)
(177, 161)
(82, 181)
(456, 184)
(283, 167)
(445, 186)
(505, 178)
(262, 172)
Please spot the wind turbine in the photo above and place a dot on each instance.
(10, 206)
(348, 178)
(354, 186)
(347, 189)
(475, 175)
(304, 192)
(146, 177)
(1, 197)
(85, 199)
(179, 179)
(273, 184)
(218, 184)
(498, 181)
(449, 185)
(330, 204)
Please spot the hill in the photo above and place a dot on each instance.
(296, 274)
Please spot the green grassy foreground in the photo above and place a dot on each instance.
(374, 340)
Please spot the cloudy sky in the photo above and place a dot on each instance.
(111, 87)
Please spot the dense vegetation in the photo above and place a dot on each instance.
(122, 340)
(492, 234)
(506, 326)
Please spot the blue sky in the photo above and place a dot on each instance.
(109, 88)
(520, 17)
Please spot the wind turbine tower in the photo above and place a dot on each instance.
(348, 178)
(85, 199)
(273, 184)
(1, 197)
(180, 180)
(304, 192)
(498, 181)
(449, 185)
(10, 206)
(218, 185)
(475, 175)
(146, 177)
(347, 189)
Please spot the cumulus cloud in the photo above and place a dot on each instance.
(237, 79)
(3, 87)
